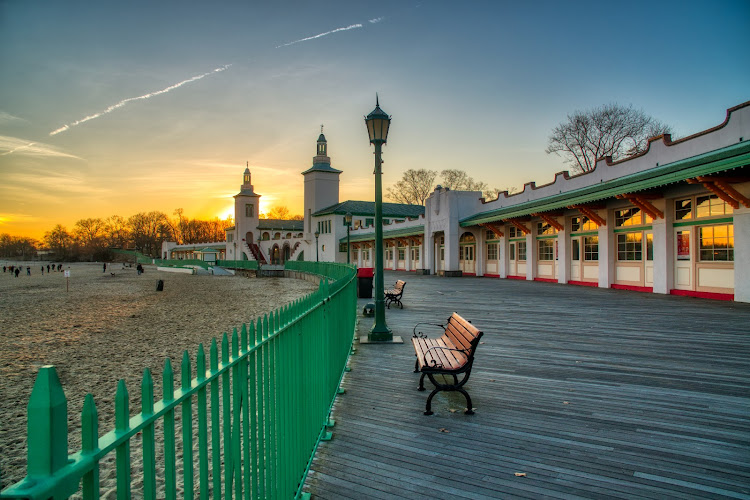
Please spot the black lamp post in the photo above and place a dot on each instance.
(317, 251)
(377, 127)
(348, 222)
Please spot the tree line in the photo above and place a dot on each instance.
(93, 239)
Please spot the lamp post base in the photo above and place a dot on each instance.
(395, 339)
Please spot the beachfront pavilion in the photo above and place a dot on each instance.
(615, 395)
(674, 219)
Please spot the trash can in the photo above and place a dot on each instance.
(160, 286)
(364, 282)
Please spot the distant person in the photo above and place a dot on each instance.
(104, 267)
(59, 267)
(42, 270)
(4, 268)
(18, 271)
(139, 268)
(47, 268)
(28, 270)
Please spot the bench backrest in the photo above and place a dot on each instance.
(463, 334)
(400, 285)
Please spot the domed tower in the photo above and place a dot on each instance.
(321, 184)
(246, 205)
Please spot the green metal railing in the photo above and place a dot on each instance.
(263, 404)
(238, 264)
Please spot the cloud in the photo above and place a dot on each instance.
(376, 20)
(6, 118)
(319, 35)
(139, 98)
(37, 149)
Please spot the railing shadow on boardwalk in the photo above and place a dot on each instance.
(579, 392)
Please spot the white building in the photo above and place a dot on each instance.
(674, 219)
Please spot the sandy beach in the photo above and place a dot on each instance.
(106, 328)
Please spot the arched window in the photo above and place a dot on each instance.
(467, 237)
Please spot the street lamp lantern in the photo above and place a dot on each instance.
(348, 223)
(317, 252)
(378, 122)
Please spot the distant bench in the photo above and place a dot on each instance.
(395, 294)
(451, 354)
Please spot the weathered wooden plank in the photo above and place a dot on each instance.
(591, 392)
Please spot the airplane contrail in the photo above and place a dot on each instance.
(124, 102)
(142, 97)
(350, 27)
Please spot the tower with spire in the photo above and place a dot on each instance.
(246, 208)
(321, 184)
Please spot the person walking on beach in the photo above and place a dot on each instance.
(28, 270)
(104, 267)
(42, 270)
(18, 271)
(47, 268)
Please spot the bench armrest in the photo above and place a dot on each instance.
(421, 335)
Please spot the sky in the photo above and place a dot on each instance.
(115, 108)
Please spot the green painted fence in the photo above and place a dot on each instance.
(249, 419)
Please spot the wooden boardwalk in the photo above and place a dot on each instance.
(591, 393)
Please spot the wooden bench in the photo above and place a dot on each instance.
(395, 294)
(450, 355)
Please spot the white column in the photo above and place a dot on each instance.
(742, 254)
(563, 248)
(503, 255)
(606, 252)
(664, 250)
(451, 248)
(531, 252)
(481, 250)
(407, 256)
(428, 251)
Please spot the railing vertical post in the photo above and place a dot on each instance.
(122, 423)
(187, 429)
(89, 444)
(200, 362)
(226, 418)
(170, 474)
(215, 422)
(47, 425)
(149, 441)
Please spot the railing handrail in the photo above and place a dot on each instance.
(64, 480)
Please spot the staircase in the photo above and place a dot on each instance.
(257, 253)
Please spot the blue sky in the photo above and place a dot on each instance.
(476, 86)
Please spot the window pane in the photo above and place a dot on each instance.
(591, 248)
(683, 209)
(521, 250)
(575, 249)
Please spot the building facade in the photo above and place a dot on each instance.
(672, 220)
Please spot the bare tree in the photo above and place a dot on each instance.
(148, 231)
(116, 231)
(610, 130)
(460, 181)
(413, 187)
(59, 241)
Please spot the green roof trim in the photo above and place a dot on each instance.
(713, 162)
(367, 209)
(393, 233)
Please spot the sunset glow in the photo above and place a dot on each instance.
(95, 122)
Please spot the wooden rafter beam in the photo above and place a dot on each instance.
(588, 212)
(642, 203)
(492, 227)
(549, 220)
(521, 227)
(717, 187)
(733, 192)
